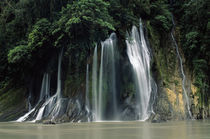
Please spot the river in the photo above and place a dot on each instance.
(107, 130)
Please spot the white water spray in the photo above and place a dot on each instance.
(94, 84)
(45, 89)
(87, 103)
(44, 95)
(104, 85)
(139, 57)
(54, 104)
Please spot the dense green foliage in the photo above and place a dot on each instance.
(194, 22)
(32, 30)
(19, 54)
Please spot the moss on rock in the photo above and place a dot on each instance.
(12, 104)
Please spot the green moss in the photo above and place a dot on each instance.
(164, 54)
(12, 104)
(73, 84)
(153, 35)
(176, 82)
(130, 88)
(11, 98)
(159, 57)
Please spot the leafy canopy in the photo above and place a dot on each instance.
(86, 20)
(19, 54)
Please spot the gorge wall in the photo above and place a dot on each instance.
(32, 65)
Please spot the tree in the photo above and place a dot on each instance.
(19, 55)
(87, 21)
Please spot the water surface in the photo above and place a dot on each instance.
(107, 130)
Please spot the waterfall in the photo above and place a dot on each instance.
(182, 70)
(104, 85)
(87, 87)
(45, 89)
(87, 104)
(53, 105)
(94, 84)
(100, 111)
(107, 79)
(58, 92)
(24, 117)
(44, 95)
(29, 102)
(139, 57)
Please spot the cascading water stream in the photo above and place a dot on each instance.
(100, 111)
(53, 104)
(182, 70)
(29, 102)
(45, 89)
(94, 85)
(108, 78)
(104, 85)
(139, 58)
(24, 117)
(58, 92)
(87, 103)
(44, 95)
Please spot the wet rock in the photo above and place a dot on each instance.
(48, 122)
(156, 119)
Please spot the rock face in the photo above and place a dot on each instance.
(169, 103)
(74, 112)
(12, 103)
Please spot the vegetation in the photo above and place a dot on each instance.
(194, 23)
(31, 31)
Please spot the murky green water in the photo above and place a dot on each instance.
(108, 130)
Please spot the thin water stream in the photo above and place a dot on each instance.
(182, 70)
(52, 105)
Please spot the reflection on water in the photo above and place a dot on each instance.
(107, 130)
